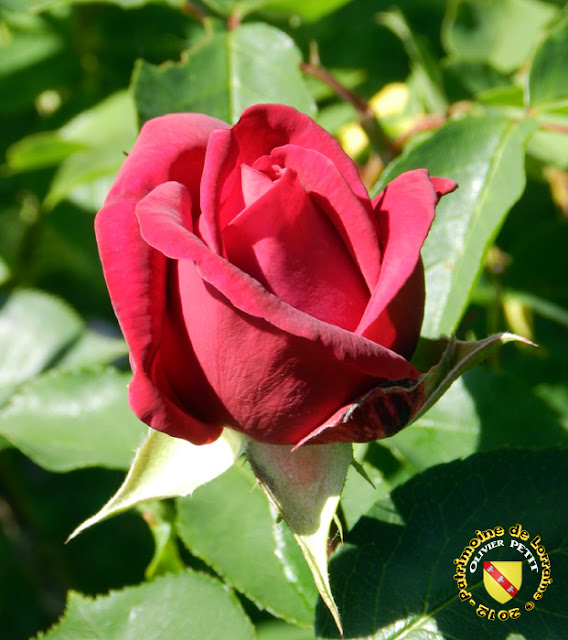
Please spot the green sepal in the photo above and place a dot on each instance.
(166, 467)
(454, 357)
(304, 487)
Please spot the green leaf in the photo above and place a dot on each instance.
(35, 329)
(307, 10)
(26, 41)
(105, 133)
(85, 178)
(40, 150)
(485, 156)
(229, 524)
(500, 32)
(111, 125)
(548, 78)
(549, 147)
(456, 357)
(67, 420)
(224, 75)
(304, 487)
(474, 414)
(166, 467)
(93, 348)
(279, 630)
(183, 606)
(394, 577)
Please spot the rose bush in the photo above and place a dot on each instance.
(256, 283)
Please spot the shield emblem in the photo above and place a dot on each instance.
(503, 579)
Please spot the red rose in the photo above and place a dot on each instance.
(257, 285)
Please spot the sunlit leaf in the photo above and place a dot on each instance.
(224, 75)
(500, 32)
(184, 606)
(229, 524)
(548, 79)
(71, 419)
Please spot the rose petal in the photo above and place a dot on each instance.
(221, 195)
(405, 212)
(443, 186)
(353, 220)
(171, 147)
(135, 273)
(291, 247)
(278, 372)
(254, 184)
(136, 277)
(284, 125)
(248, 295)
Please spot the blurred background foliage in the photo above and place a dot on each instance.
(473, 89)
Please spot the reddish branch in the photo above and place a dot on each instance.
(367, 117)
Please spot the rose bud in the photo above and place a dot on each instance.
(257, 285)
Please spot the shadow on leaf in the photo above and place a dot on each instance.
(394, 576)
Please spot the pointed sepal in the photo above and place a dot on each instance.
(304, 487)
(166, 467)
(383, 411)
(454, 357)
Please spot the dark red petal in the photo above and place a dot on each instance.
(136, 278)
(329, 190)
(248, 295)
(167, 148)
(171, 147)
(221, 193)
(285, 125)
(277, 371)
(291, 247)
(405, 211)
(443, 186)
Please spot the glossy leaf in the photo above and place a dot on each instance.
(228, 523)
(398, 561)
(279, 630)
(44, 5)
(308, 10)
(485, 156)
(35, 329)
(456, 358)
(183, 606)
(67, 420)
(166, 467)
(224, 75)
